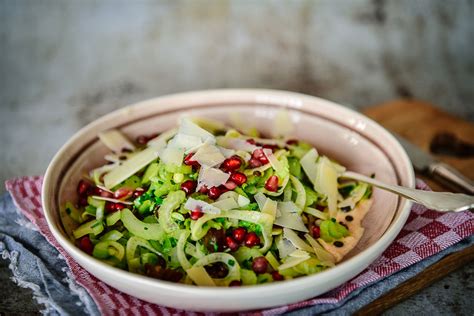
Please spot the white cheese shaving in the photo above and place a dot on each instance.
(289, 217)
(260, 198)
(226, 152)
(172, 155)
(185, 142)
(308, 162)
(208, 155)
(226, 204)
(296, 240)
(273, 160)
(211, 177)
(285, 247)
(188, 127)
(243, 201)
(115, 140)
(193, 204)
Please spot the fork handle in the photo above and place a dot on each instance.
(450, 177)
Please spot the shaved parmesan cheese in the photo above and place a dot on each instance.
(273, 160)
(260, 198)
(326, 183)
(292, 261)
(228, 194)
(320, 252)
(285, 247)
(188, 127)
(296, 240)
(185, 142)
(236, 143)
(226, 152)
(289, 217)
(270, 207)
(243, 201)
(115, 140)
(299, 254)
(160, 140)
(308, 162)
(208, 155)
(211, 177)
(226, 204)
(172, 155)
(193, 205)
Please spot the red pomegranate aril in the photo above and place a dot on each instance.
(231, 243)
(231, 164)
(235, 283)
(239, 234)
(86, 245)
(123, 193)
(119, 206)
(260, 265)
(189, 186)
(196, 214)
(204, 189)
(251, 240)
(83, 187)
(82, 201)
(238, 178)
(110, 207)
(98, 191)
(272, 147)
(138, 192)
(315, 231)
(277, 276)
(189, 162)
(292, 142)
(214, 193)
(272, 184)
(142, 140)
(230, 185)
(254, 163)
(251, 141)
(320, 207)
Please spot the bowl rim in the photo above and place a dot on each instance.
(274, 97)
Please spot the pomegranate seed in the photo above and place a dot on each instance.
(235, 283)
(111, 207)
(251, 141)
(231, 243)
(189, 186)
(82, 201)
(260, 155)
(277, 276)
(238, 178)
(272, 184)
(86, 245)
(231, 164)
(119, 206)
(103, 193)
(272, 147)
(123, 193)
(315, 231)
(223, 189)
(204, 189)
(142, 140)
(239, 234)
(214, 193)
(254, 163)
(320, 207)
(230, 185)
(196, 214)
(189, 162)
(83, 187)
(251, 240)
(292, 142)
(260, 265)
(138, 192)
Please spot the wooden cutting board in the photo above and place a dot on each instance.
(419, 122)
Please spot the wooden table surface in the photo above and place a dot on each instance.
(419, 122)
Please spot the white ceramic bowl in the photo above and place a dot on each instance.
(351, 138)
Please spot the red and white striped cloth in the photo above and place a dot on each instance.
(426, 233)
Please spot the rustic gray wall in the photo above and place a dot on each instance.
(64, 63)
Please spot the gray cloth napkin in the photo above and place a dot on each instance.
(37, 265)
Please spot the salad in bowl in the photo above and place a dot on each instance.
(205, 204)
